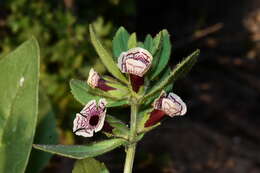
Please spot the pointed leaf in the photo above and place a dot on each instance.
(19, 78)
(83, 93)
(148, 43)
(179, 71)
(89, 165)
(82, 151)
(132, 42)
(120, 42)
(156, 43)
(165, 54)
(106, 58)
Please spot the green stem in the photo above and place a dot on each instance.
(130, 150)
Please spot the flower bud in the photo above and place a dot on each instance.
(136, 61)
(95, 81)
(170, 104)
(91, 118)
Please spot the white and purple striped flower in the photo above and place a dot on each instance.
(95, 81)
(90, 119)
(136, 61)
(170, 104)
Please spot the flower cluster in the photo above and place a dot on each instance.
(135, 62)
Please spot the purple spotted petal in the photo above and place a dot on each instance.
(90, 119)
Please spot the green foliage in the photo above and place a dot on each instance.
(89, 165)
(132, 42)
(148, 43)
(180, 70)
(123, 94)
(120, 42)
(46, 133)
(120, 128)
(63, 35)
(164, 55)
(83, 93)
(19, 80)
(106, 59)
(82, 151)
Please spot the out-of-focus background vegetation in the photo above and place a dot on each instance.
(220, 132)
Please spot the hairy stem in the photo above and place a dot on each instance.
(130, 150)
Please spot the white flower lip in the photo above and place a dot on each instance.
(90, 119)
(172, 104)
(93, 78)
(135, 61)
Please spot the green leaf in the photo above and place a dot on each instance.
(165, 54)
(120, 128)
(132, 42)
(179, 71)
(82, 151)
(89, 165)
(120, 42)
(45, 133)
(140, 44)
(142, 118)
(19, 78)
(105, 57)
(148, 43)
(156, 43)
(83, 93)
(156, 51)
(157, 82)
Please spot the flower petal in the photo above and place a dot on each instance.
(178, 100)
(91, 118)
(80, 126)
(172, 104)
(101, 106)
(135, 61)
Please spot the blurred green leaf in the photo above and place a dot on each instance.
(148, 43)
(19, 78)
(132, 42)
(83, 93)
(106, 59)
(89, 165)
(140, 44)
(82, 151)
(120, 42)
(120, 128)
(165, 54)
(180, 70)
(46, 133)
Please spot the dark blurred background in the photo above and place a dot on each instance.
(220, 132)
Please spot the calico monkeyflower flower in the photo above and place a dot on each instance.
(95, 81)
(136, 62)
(170, 104)
(91, 118)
